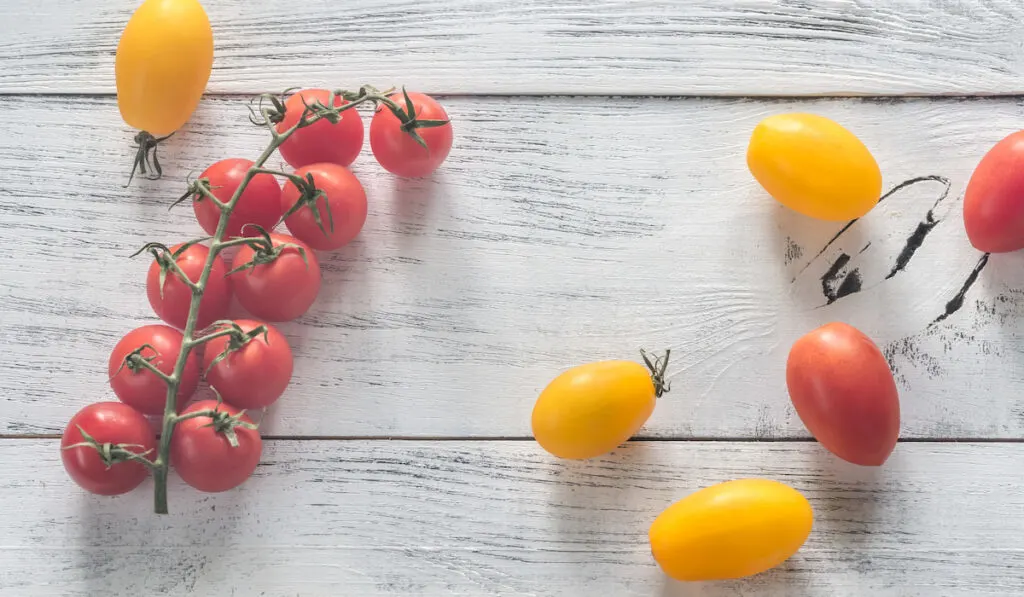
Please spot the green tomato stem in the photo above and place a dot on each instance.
(218, 334)
(141, 362)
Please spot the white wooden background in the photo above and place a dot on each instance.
(596, 201)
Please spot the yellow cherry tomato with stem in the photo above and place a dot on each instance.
(163, 62)
(591, 409)
(815, 166)
(731, 530)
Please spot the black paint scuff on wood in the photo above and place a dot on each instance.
(837, 282)
(793, 251)
(926, 225)
(848, 284)
(957, 301)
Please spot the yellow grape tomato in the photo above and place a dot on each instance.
(591, 409)
(162, 65)
(815, 166)
(731, 530)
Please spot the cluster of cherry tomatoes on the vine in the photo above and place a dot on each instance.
(109, 447)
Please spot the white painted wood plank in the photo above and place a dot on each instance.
(704, 47)
(502, 518)
(559, 231)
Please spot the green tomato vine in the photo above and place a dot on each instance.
(268, 112)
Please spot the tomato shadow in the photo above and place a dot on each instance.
(1004, 303)
(813, 256)
(124, 544)
(791, 579)
(412, 208)
(103, 540)
(848, 501)
(347, 287)
(578, 488)
(602, 508)
(341, 271)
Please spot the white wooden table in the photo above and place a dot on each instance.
(596, 201)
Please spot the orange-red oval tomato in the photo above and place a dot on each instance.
(283, 289)
(203, 456)
(844, 392)
(113, 423)
(397, 151)
(255, 375)
(345, 198)
(259, 204)
(142, 389)
(994, 200)
(173, 304)
(321, 141)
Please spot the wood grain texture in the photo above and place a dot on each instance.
(502, 518)
(702, 47)
(559, 231)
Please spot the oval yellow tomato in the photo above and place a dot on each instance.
(813, 165)
(162, 65)
(731, 530)
(591, 409)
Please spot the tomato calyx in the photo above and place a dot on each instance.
(109, 453)
(135, 363)
(222, 422)
(146, 159)
(168, 261)
(134, 359)
(263, 116)
(658, 366)
(410, 122)
(199, 190)
(264, 250)
(309, 195)
(237, 338)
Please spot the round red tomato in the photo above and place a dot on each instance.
(255, 375)
(844, 392)
(347, 201)
(140, 388)
(173, 304)
(994, 199)
(259, 204)
(321, 141)
(397, 151)
(202, 454)
(282, 289)
(107, 423)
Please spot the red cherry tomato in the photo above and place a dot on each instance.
(203, 455)
(113, 423)
(283, 289)
(347, 201)
(260, 203)
(141, 389)
(321, 141)
(255, 375)
(172, 306)
(397, 151)
(994, 200)
(844, 392)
